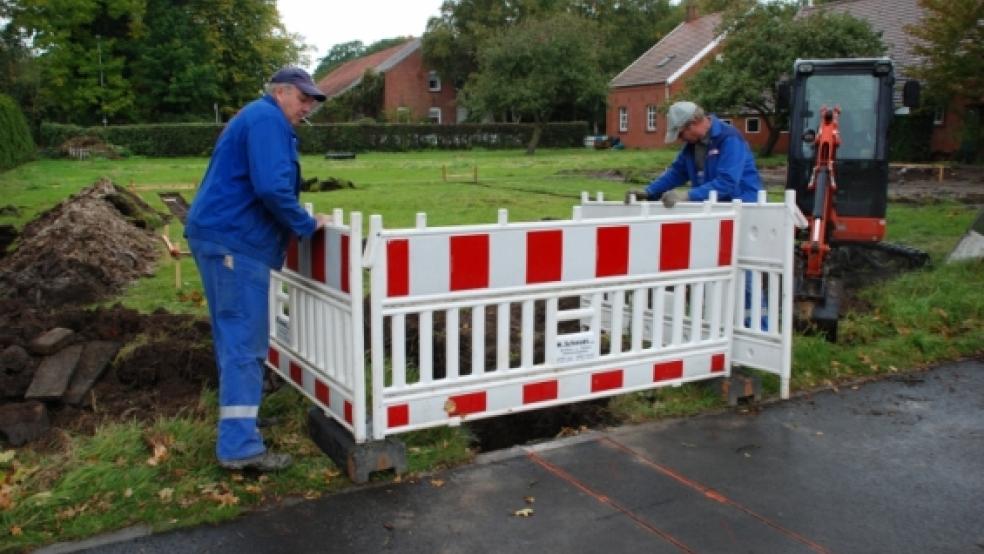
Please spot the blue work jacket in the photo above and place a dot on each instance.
(248, 199)
(729, 169)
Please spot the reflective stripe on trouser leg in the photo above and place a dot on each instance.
(236, 288)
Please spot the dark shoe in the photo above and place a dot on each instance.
(267, 461)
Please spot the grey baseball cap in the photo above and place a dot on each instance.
(679, 114)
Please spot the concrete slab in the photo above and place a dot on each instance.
(93, 361)
(51, 341)
(53, 375)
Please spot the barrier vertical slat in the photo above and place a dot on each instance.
(478, 340)
(502, 336)
(356, 366)
(679, 299)
(451, 343)
(527, 335)
(740, 288)
(596, 306)
(378, 292)
(324, 314)
(696, 312)
(716, 307)
(773, 306)
(425, 329)
(787, 299)
(638, 303)
(618, 309)
(550, 331)
(398, 356)
(755, 320)
(659, 309)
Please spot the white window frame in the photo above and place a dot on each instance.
(623, 119)
(433, 81)
(939, 117)
(652, 116)
(434, 115)
(758, 125)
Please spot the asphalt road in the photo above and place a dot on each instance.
(889, 467)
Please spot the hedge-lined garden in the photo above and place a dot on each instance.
(16, 144)
(197, 139)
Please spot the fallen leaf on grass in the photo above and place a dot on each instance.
(253, 489)
(128, 492)
(159, 444)
(7, 456)
(524, 512)
(6, 497)
(165, 494)
(16, 531)
(311, 495)
(438, 483)
(225, 499)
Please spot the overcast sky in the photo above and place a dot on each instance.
(324, 23)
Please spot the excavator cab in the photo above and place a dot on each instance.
(840, 111)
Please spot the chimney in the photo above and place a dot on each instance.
(691, 12)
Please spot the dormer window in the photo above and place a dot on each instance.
(666, 60)
(433, 82)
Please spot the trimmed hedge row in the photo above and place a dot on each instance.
(197, 139)
(16, 144)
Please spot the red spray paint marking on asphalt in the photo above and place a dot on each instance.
(715, 495)
(609, 502)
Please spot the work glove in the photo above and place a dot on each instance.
(670, 198)
(640, 195)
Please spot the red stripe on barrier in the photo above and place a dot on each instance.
(318, 263)
(668, 370)
(469, 262)
(717, 363)
(674, 246)
(538, 392)
(612, 251)
(397, 267)
(321, 392)
(397, 416)
(544, 256)
(273, 356)
(296, 375)
(345, 264)
(725, 242)
(464, 404)
(348, 412)
(606, 380)
(293, 253)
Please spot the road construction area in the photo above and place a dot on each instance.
(887, 466)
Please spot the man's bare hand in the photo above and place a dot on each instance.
(322, 219)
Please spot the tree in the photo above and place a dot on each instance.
(530, 69)
(337, 55)
(760, 47)
(951, 48)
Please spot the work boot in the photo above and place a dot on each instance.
(267, 461)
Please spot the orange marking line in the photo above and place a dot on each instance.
(608, 501)
(715, 495)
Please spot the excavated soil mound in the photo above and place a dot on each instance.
(82, 250)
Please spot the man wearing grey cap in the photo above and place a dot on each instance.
(715, 157)
(238, 228)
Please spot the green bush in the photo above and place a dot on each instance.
(16, 144)
(196, 139)
(909, 137)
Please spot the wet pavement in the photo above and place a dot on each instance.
(889, 466)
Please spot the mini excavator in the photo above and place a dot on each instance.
(839, 115)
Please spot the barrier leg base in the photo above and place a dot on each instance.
(358, 460)
(741, 386)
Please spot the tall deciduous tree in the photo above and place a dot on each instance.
(760, 47)
(530, 69)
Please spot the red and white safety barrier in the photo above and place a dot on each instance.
(619, 298)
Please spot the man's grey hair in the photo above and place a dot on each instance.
(698, 114)
(271, 88)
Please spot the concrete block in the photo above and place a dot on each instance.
(52, 377)
(23, 422)
(357, 460)
(95, 358)
(51, 341)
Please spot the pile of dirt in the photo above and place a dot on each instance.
(83, 249)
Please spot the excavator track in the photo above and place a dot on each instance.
(874, 260)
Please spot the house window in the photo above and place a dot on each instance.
(434, 115)
(752, 125)
(728, 121)
(651, 118)
(403, 114)
(939, 117)
(433, 82)
(623, 119)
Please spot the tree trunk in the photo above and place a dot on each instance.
(535, 139)
(770, 143)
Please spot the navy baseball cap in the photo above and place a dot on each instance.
(300, 79)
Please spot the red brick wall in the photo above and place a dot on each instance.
(947, 137)
(406, 86)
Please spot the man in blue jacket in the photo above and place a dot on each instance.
(715, 157)
(238, 228)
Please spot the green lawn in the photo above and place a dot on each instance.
(104, 482)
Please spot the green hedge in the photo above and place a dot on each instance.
(16, 144)
(195, 139)
(909, 138)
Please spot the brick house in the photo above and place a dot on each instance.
(411, 91)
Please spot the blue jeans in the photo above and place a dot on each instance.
(237, 289)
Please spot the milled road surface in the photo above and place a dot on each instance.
(893, 466)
